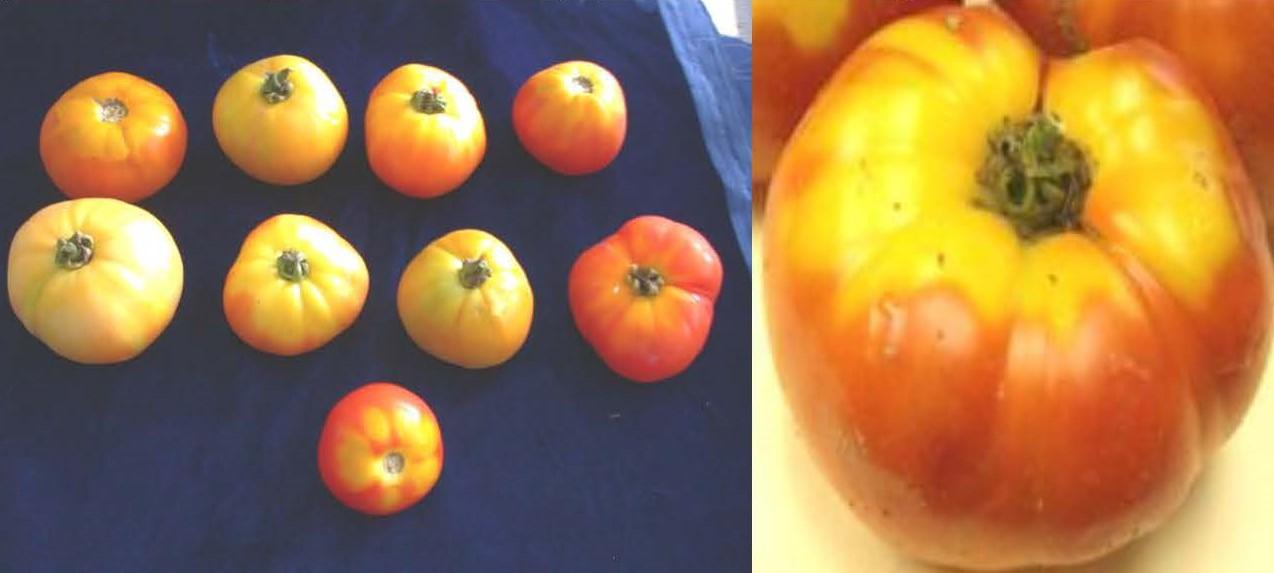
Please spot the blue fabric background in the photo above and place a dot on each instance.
(200, 454)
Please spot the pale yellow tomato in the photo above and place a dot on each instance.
(95, 279)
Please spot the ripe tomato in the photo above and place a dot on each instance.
(295, 286)
(798, 45)
(571, 117)
(1014, 307)
(97, 280)
(1225, 43)
(643, 297)
(425, 135)
(113, 135)
(465, 300)
(281, 120)
(381, 449)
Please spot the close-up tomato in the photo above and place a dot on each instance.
(571, 117)
(425, 135)
(281, 120)
(113, 135)
(797, 48)
(95, 279)
(643, 297)
(1226, 44)
(295, 285)
(380, 451)
(1015, 303)
(465, 299)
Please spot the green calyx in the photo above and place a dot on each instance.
(1035, 177)
(277, 87)
(394, 463)
(112, 110)
(428, 101)
(583, 83)
(292, 265)
(73, 252)
(644, 281)
(473, 273)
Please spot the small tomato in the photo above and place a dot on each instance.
(571, 117)
(113, 135)
(466, 300)
(643, 297)
(381, 449)
(281, 120)
(95, 279)
(295, 286)
(425, 135)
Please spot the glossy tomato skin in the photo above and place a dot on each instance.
(95, 279)
(571, 117)
(113, 135)
(984, 400)
(295, 285)
(797, 46)
(646, 334)
(1226, 44)
(425, 134)
(380, 451)
(281, 120)
(465, 299)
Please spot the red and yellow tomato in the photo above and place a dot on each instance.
(95, 279)
(643, 297)
(465, 299)
(571, 117)
(113, 135)
(1014, 306)
(295, 285)
(381, 449)
(425, 135)
(280, 120)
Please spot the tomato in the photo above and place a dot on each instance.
(425, 135)
(643, 297)
(295, 286)
(1013, 307)
(571, 117)
(798, 45)
(465, 300)
(113, 135)
(381, 449)
(1225, 43)
(95, 279)
(281, 120)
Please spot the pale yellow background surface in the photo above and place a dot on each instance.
(799, 525)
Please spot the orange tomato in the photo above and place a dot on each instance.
(381, 449)
(295, 286)
(281, 120)
(96, 279)
(425, 135)
(113, 135)
(571, 117)
(465, 300)
(643, 297)
(1015, 303)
